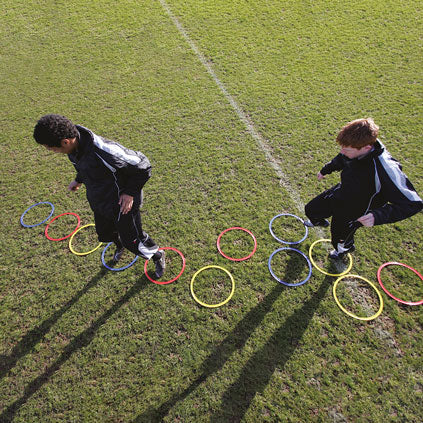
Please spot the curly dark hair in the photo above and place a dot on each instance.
(52, 129)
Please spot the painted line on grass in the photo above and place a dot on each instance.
(263, 144)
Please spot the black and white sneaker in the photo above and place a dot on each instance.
(324, 223)
(160, 264)
(118, 254)
(337, 255)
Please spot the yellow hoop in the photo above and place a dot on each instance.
(351, 314)
(324, 271)
(212, 305)
(71, 238)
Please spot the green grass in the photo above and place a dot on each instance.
(83, 344)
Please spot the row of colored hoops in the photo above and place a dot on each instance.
(343, 274)
(78, 228)
(340, 275)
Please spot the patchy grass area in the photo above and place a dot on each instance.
(80, 343)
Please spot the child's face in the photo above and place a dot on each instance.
(67, 146)
(353, 153)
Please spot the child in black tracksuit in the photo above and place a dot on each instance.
(113, 176)
(373, 189)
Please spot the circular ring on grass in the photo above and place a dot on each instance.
(212, 305)
(67, 236)
(280, 280)
(236, 259)
(387, 292)
(351, 314)
(115, 269)
(281, 240)
(40, 223)
(171, 280)
(324, 271)
(87, 252)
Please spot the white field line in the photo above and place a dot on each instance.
(263, 144)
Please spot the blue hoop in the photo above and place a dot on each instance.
(115, 269)
(281, 240)
(280, 280)
(37, 224)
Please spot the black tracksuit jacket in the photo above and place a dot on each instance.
(374, 184)
(107, 169)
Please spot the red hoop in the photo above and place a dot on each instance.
(237, 259)
(67, 236)
(387, 292)
(172, 280)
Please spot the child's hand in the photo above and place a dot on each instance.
(126, 201)
(367, 220)
(74, 186)
(320, 176)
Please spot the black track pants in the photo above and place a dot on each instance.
(343, 225)
(127, 229)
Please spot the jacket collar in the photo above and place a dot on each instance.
(85, 138)
(377, 150)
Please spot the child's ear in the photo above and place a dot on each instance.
(67, 141)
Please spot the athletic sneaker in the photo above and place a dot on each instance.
(118, 254)
(324, 223)
(336, 255)
(160, 265)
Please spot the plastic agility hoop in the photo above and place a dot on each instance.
(281, 240)
(85, 253)
(171, 280)
(212, 305)
(324, 271)
(387, 292)
(40, 223)
(115, 269)
(236, 259)
(351, 314)
(280, 280)
(67, 236)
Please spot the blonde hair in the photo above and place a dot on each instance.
(358, 133)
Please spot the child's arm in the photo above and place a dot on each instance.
(132, 168)
(394, 212)
(74, 186)
(135, 178)
(320, 176)
(402, 200)
(367, 220)
(335, 164)
(126, 202)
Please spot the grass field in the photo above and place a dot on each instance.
(218, 94)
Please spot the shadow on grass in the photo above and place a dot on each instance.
(261, 366)
(80, 341)
(34, 336)
(274, 354)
